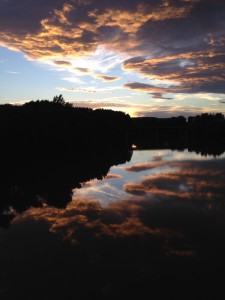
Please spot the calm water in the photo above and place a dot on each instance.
(152, 228)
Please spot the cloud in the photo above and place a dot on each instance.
(93, 182)
(100, 104)
(184, 73)
(106, 78)
(62, 63)
(185, 183)
(112, 176)
(155, 91)
(83, 70)
(12, 72)
(79, 27)
(160, 96)
(159, 209)
(121, 219)
(146, 166)
(90, 89)
(222, 101)
(138, 86)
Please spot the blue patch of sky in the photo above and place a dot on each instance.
(22, 79)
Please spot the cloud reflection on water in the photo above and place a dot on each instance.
(155, 206)
(171, 236)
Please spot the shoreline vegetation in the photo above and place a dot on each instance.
(46, 129)
(204, 134)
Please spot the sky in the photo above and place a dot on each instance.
(157, 58)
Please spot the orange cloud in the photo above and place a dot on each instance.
(125, 216)
(106, 78)
(185, 183)
(95, 181)
(131, 21)
(146, 166)
(112, 176)
(65, 32)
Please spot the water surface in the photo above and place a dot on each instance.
(150, 228)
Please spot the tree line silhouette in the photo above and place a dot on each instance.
(204, 120)
(203, 133)
(53, 128)
(45, 129)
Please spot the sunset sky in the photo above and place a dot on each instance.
(145, 57)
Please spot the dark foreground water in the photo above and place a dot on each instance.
(152, 228)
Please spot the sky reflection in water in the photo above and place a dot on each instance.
(157, 218)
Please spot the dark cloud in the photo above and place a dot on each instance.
(202, 21)
(222, 101)
(185, 73)
(160, 96)
(139, 25)
(144, 87)
(23, 16)
(83, 70)
(62, 63)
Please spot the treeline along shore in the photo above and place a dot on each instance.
(203, 133)
(57, 129)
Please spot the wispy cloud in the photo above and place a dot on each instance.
(12, 72)
(90, 89)
(106, 78)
